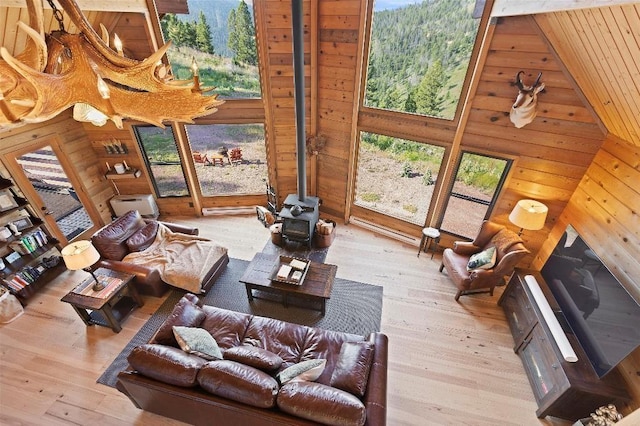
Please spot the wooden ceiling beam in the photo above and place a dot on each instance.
(132, 6)
(528, 7)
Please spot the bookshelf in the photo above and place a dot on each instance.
(25, 248)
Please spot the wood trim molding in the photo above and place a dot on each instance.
(527, 7)
(129, 6)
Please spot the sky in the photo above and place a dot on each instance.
(392, 4)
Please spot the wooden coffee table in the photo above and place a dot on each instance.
(316, 286)
(108, 307)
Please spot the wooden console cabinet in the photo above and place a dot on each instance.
(562, 389)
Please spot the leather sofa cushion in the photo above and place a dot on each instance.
(295, 343)
(227, 327)
(110, 241)
(239, 382)
(143, 238)
(285, 339)
(256, 357)
(167, 364)
(352, 369)
(321, 403)
(186, 313)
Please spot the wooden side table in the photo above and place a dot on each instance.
(108, 307)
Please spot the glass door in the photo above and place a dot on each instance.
(43, 180)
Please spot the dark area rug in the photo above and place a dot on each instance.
(294, 249)
(354, 307)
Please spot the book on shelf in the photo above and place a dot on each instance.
(29, 243)
(19, 281)
(13, 285)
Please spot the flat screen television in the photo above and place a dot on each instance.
(600, 312)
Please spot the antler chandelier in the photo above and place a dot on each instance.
(60, 70)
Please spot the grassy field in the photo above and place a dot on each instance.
(229, 80)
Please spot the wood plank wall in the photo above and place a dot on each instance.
(274, 29)
(339, 52)
(553, 152)
(604, 210)
(133, 30)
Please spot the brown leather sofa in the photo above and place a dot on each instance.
(509, 251)
(170, 382)
(113, 243)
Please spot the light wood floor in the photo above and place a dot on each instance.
(449, 363)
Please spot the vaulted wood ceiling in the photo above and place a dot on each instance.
(599, 46)
(601, 49)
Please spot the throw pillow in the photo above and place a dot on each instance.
(308, 370)
(256, 357)
(197, 341)
(352, 369)
(484, 260)
(143, 238)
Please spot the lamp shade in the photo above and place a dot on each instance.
(529, 215)
(79, 255)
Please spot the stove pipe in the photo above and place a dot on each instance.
(298, 81)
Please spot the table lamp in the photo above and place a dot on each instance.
(529, 215)
(81, 255)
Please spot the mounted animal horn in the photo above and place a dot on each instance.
(523, 110)
(60, 70)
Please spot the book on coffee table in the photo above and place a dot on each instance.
(290, 270)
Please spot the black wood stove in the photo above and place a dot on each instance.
(299, 218)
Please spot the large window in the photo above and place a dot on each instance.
(230, 159)
(419, 54)
(478, 181)
(162, 160)
(396, 176)
(220, 37)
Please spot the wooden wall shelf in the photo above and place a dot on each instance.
(129, 174)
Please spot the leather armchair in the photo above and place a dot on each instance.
(111, 243)
(509, 251)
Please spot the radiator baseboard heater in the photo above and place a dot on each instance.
(144, 203)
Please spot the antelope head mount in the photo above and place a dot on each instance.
(59, 70)
(523, 110)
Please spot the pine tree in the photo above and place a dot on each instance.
(410, 103)
(242, 40)
(232, 43)
(166, 23)
(428, 99)
(175, 30)
(203, 35)
(189, 29)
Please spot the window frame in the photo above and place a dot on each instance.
(147, 164)
(494, 199)
(475, 52)
(197, 190)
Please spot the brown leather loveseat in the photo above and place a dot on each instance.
(130, 232)
(244, 387)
